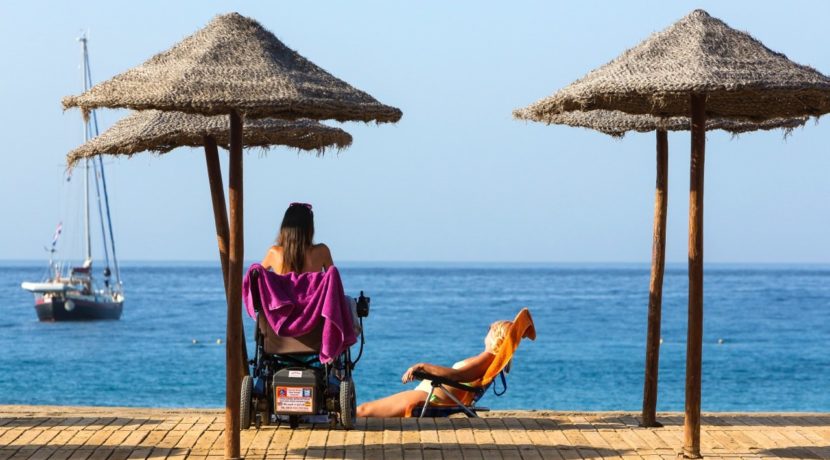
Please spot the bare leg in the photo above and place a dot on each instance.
(391, 406)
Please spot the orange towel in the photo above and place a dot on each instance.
(522, 328)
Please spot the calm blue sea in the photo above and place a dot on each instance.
(774, 322)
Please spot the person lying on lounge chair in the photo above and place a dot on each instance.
(466, 370)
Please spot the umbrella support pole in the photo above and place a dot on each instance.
(220, 219)
(694, 340)
(233, 375)
(655, 298)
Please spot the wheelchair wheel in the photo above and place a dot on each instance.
(293, 421)
(245, 405)
(348, 409)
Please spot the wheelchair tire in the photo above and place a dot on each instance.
(245, 400)
(348, 409)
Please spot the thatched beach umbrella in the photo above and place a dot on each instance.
(617, 124)
(235, 67)
(160, 132)
(698, 68)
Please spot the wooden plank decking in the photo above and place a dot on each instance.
(84, 433)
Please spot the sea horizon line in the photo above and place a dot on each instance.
(126, 263)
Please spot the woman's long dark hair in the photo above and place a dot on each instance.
(296, 236)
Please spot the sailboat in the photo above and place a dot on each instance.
(72, 292)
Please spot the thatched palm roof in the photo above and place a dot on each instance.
(235, 64)
(699, 54)
(616, 123)
(161, 132)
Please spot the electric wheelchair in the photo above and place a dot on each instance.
(288, 383)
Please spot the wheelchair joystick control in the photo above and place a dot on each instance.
(363, 305)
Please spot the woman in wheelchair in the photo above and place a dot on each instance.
(466, 370)
(295, 250)
(302, 368)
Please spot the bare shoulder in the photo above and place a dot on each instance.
(321, 248)
(486, 356)
(275, 251)
(273, 258)
(322, 254)
(482, 359)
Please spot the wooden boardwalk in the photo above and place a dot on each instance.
(83, 433)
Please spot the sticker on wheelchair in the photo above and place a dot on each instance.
(294, 400)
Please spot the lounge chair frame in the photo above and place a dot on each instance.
(442, 383)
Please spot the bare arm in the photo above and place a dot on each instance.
(473, 369)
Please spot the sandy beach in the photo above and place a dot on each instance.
(77, 433)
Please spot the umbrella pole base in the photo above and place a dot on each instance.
(654, 424)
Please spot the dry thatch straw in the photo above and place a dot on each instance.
(161, 132)
(740, 77)
(235, 64)
(617, 124)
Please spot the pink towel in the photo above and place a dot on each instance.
(294, 303)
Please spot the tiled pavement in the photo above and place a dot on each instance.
(83, 433)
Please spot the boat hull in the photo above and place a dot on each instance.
(78, 309)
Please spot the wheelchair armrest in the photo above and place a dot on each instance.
(436, 381)
(257, 303)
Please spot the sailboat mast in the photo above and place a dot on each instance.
(93, 131)
(88, 241)
(97, 174)
(87, 233)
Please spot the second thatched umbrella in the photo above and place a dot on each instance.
(697, 68)
(617, 124)
(157, 131)
(235, 67)
(161, 132)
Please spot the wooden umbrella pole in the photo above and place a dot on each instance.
(694, 340)
(217, 197)
(236, 253)
(220, 219)
(655, 297)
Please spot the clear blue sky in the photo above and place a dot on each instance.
(456, 179)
